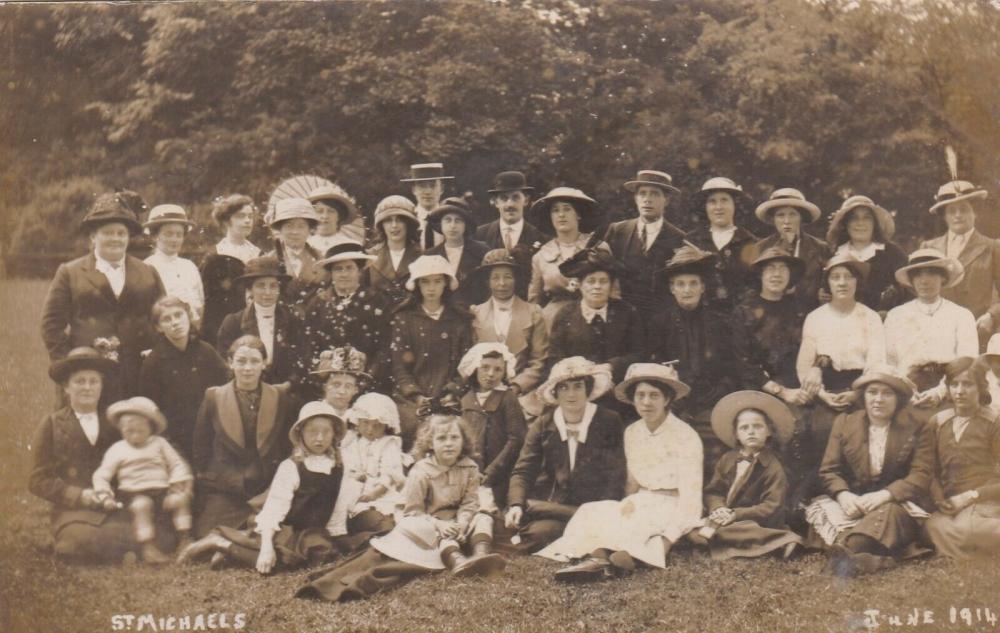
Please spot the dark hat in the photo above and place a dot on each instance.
(492, 259)
(426, 171)
(220, 273)
(660, 179)
(590, 260)
(689, 260)
(263, 267)
(81, 358)
(778, 254)
(345, 251)
(510, 181)
(120, 206)
(452, 205)
(590, 215)
(860, 268)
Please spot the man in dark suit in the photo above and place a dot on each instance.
(510, 195)
(644, 244)
(106, 294)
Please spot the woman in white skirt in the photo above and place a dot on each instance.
(663, 490)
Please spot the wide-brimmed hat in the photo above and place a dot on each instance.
(993, 348)
(660, 179)
(140, 406)
(346, 206)
(955, 191)
(427, 265)
(860, 268)
(81, 358)
(267, 266)
(492, 259)
(787, 197)
(342, 360)
(452, 205)
(374, 406)
(935, 259)
(690, 260)
(576, 367)
(345, 251)
(718, 183)
(396, 206)
(889, 375)
(167, 214)
(294, 208)
(886, 225)
(651, 372)
(591, 260)
(725, 411)
(474, 357)
(426, 171)
(311, 410)
(509, 181)
(586, 207)
(796, 265)
(414, 540)
(119, 206)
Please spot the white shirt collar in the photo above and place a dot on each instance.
(582, 428)
(160, 256)
(497, 304)
(104, 265)
(260, 310)
(864, 254)
(90, 424)
(436, 314)
(319, 463)
(516, 226)
(589, 313)
(651, 227)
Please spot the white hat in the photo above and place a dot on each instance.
(651, 372)
(336, 193)
(414, 540)
(375, 406)
(934, 259)
(167, 214)
(316, 408)
(725, 411)
(954, 191)
(474, 358)
(292, 208)
(993, 348)
(576, 367)
(140, 406)
(787, 197)
(427, 265)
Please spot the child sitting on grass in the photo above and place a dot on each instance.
(151, 475)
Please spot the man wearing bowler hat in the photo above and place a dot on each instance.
(510, 195)
(427, 181)
(645, 243)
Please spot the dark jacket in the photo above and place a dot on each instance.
(497, 430)
(468, 293)
(81, 301)
(542, 470)
(815, 253)
(971, 464)
(760, 498)
(297, 292)
(426, 352)
(176, 381)
(620, 341)
(288, 362)
(381, 277)
(528, 243)
(908, 465)
(644, 284)
(63, 464)
(981, 261)
(766, 336)
(732, 278)
(880, 291)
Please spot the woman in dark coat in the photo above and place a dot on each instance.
(429, 337)
(294, 219)
(106, 294)
(66, 450)
(878, 459)
(453, 219)
(240, 437)
(397, 245)
(863, 229)
(177, 372)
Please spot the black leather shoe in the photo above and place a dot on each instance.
(589, 570)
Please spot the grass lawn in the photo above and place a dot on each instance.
(37, 593)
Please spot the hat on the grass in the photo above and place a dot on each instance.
(787, 197)
(374, 406)
(572, 368)
(414, 540)
(651, 372)
(933, 259)
(725, 411)
(427, 265)
(315, 409)
(955, 191)
(140, 406)
(81, 358)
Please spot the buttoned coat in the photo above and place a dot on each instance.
(497, 429)
(732, 278)
(288, 362)
(527, 338)
(425, 352)
(644, 284)
(623, 342)
(381, 277)
(542, 469)
(981, 260)
(300, 289)
(80, 307)
(761, 497)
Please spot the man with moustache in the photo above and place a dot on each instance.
(427, 181)
(510, 195)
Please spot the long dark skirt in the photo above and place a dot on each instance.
(365, 574)
(747, 539)
(216, 509)
(294, 548)
(89, 536)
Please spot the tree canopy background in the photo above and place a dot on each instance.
(184, 102)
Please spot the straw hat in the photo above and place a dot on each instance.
(396, 206)
(167, 214)
(293, 208)
(888, 375)
(120, 206)
(427, 265)
(955, 191)
(592, 260)
(509, 181)
(718, 183)
(342, 360)
(263, 267)
(993, 349)
(314, 409)
(860, 268)
(590, 215)
(426, 171)
(414, 540)
(345, 251)
(886, 225)
(452, 205)
(141, 406)
(81, 358)
(576, 367)
(660, 179)
(690, 260)
(787, 197)
(492, 259)
(725, 411)
(779, 254)
(651, 372)
(346, 206)
(374, 406)
(474, 357)
(933, 259)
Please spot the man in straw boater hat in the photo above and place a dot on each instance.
(787, 210)
(979, 255)
(510, 196)
(642, 244)
(929, 331)
(427, 182)
(168, 224)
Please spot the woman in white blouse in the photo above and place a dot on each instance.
(168, 225)
(663, 487)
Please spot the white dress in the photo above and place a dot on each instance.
(368, 464)
(667, 467)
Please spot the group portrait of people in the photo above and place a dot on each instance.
(427, 393)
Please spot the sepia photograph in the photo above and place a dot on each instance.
(500, 316)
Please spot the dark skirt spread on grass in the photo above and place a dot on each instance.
(365, 574)
(747, 539)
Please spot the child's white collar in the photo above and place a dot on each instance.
(319, 463)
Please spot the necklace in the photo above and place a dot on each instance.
(931, 311)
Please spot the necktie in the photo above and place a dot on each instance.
(642, 236)
(508, 239)
(957, 245)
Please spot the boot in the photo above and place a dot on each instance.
(588, 570)
(153, 556)
(454, 559)
(211, 543)
(482, 562)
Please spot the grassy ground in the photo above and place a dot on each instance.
(37, 593)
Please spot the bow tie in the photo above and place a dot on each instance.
(572, 434)
(267, 316)
(503, 308)
(744, 458)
